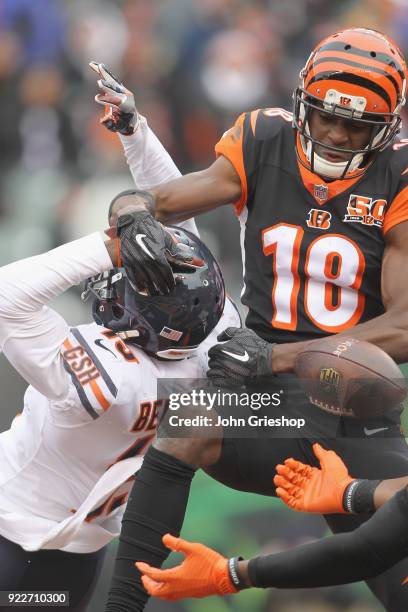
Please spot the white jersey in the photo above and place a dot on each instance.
(150, 164)
(67, 462)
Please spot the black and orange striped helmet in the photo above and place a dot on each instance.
(359, 75)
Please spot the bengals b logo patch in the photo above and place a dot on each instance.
(320, 219)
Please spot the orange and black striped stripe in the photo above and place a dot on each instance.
(346, 56)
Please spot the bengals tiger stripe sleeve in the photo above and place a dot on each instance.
(239, 146)
(397, 211)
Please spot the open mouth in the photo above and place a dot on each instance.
(332, 156)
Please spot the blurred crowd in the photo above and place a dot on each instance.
(194, 65)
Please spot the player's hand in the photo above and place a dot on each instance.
(242, 357)
(120, 110)
(203, 572)
(147, 251)
(310, 489)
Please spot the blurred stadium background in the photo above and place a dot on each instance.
(194, 65)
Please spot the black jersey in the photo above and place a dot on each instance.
(312, 250)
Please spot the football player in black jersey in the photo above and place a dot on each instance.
(372, 548)
(322, 199)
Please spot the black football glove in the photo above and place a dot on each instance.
(148, 250)
(242, 358)
(121, 113)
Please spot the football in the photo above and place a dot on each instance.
(350, 377)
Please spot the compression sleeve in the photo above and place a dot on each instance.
(348, 557)
(149, 162)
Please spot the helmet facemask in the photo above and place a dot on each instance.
(108, 289)
(384, 128)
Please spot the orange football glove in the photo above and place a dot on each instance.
(203, 572)
(309, 489)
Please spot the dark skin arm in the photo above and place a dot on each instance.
(243, 573)
(189, 195)
(197, 193)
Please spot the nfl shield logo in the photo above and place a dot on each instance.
(330, 379)
(321, 192)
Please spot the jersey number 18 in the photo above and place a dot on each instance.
(333, 272)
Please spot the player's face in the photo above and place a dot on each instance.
(337, 132)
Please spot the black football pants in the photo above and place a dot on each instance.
(50, 570)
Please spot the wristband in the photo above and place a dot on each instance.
(358, 496)
(233, 573)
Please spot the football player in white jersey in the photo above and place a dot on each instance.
(68, 460)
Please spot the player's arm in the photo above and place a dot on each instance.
(387, 489)
(31, 333)
(364, 553)
(197, 193)
(226, 181)
(191, 194)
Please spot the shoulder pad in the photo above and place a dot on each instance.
(269, 122)
(95, 376)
